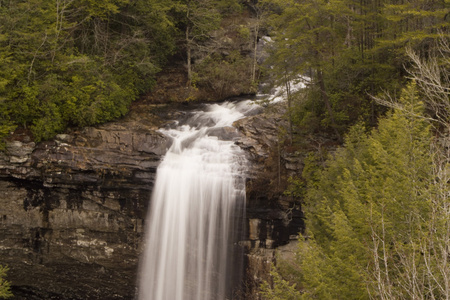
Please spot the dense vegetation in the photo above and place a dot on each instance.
(378, 219)
(77, 63)
(351, 50)
(377, 209)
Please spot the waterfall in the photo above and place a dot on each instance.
(197, 203)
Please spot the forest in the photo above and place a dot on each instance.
(72, 63)
(377, 209)
(78, 63)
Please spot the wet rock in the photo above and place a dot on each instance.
(66, 138)
(224, 133)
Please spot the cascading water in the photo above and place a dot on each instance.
(197, 202)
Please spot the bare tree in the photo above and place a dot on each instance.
(201, 18)
(433, 78)
(261, 10)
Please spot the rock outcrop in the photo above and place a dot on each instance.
(72, 210)
(273, 219)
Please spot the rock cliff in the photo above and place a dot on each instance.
(72, 209)
(273, 219)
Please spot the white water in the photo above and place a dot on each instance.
(198, 197)
(279, 93)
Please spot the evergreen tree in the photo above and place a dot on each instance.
(66, 63)
(351, 49)
(5, 286)
(199, 18)
(377, 215)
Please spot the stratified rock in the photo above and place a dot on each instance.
(273, 219)
(19, 149)
(72, 210)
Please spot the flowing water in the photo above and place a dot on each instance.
(196, 206)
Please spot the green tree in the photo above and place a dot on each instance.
(261, 12)
(368, 188)
(433, 83)
(199, 18)
(309, 38)
(280, 289)
(66, 63)
(5, 286)
(417, 22)
(224, 76)
(376, 215)
(350, 49)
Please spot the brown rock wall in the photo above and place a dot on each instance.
(72, 211)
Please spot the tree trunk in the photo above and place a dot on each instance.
(255, 51)
(289, 100)
(327, 103)
(188, 54)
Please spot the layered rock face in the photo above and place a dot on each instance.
(274, 220)
(72, 209)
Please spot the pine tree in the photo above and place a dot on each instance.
(377, 216)
(5, 286)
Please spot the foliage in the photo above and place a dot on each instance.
(281, 290)
(63, 64)
(6, 126)
(78, 63)
(358, 207)
(377, 215)
(5, 286)
(350, 50)
(224, 76)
